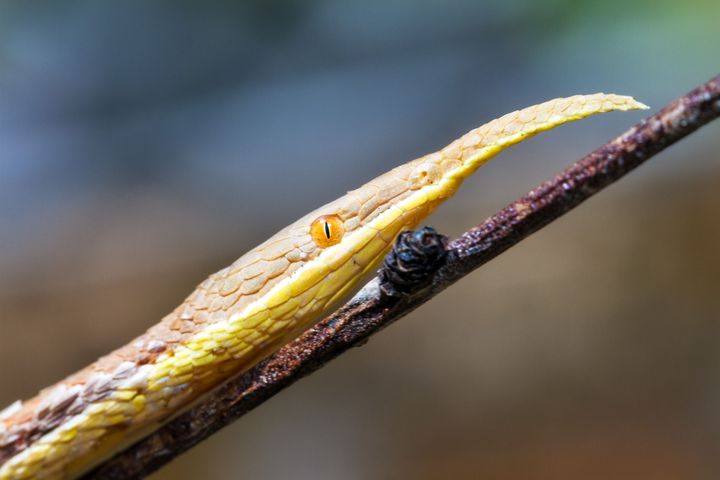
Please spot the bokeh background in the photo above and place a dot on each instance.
(144, 145)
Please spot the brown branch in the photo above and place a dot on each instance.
(374, 308)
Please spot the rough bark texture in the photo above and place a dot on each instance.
(402, 287)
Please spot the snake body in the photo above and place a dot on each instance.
(246, 311)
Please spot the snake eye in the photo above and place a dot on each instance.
(327, 230)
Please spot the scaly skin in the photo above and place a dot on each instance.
(246, 311)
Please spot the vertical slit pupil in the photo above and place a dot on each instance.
(327, 230)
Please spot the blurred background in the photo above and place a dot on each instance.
(144, 145)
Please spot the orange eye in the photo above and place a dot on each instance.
(327, 230)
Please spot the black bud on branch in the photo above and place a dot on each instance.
(413, 261)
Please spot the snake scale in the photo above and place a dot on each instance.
(246, 311)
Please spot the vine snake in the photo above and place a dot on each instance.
(246, 311)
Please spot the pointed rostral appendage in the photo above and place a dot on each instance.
(246, 311)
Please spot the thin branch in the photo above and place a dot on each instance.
(378, 304)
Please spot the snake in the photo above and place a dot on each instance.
(246, 311)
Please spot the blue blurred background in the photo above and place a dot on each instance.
(144, 145)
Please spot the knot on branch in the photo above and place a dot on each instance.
(412, 262)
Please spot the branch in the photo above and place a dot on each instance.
(420, 266)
